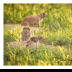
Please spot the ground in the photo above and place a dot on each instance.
(33, 29)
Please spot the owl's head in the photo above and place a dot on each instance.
(26, 29)
(34, 39)
(40, 37)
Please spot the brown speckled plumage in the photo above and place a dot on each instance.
(26, 33)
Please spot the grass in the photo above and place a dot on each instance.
(35, 56)
(43, 56)
(56, 29)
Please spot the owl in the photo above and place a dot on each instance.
(34, 41)
(40, 37)
(25, 34)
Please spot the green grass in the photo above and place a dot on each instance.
(43, 56)
(35, 56)
(56, 29)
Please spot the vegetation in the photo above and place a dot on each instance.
(56, 29)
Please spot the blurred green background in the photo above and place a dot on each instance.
(57, 13)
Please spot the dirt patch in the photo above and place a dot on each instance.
(33, 29)
(46, 44)
(12, 24)
(18, 25)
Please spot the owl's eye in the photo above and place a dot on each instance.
(32, 38)
(43, 13)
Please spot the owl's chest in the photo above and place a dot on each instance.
(34, 44)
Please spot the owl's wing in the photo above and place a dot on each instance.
(28, 43)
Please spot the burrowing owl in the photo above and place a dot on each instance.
(33, 20)
(25, 34)
(34, 41)
(40, 37)
(17, 44)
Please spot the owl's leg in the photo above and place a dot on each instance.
(38, 25)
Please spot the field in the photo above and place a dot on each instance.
(56, 29)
